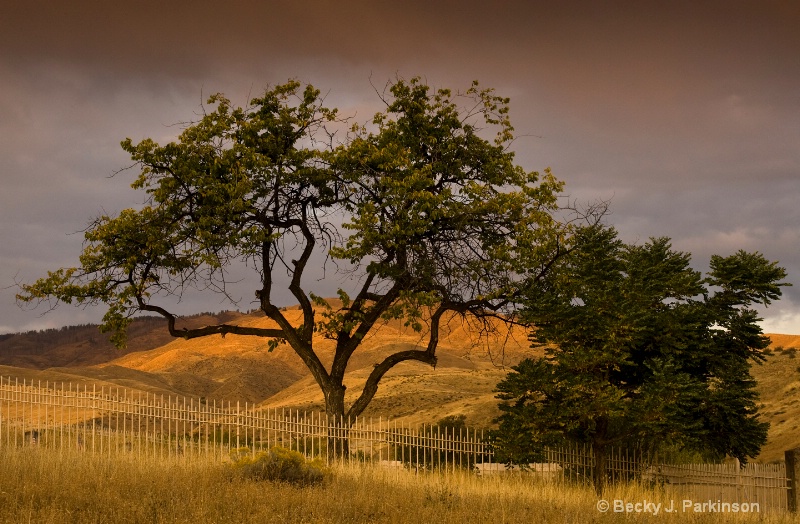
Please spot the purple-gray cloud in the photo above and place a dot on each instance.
(684, 113)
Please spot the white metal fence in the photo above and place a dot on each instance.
(762, 484)
(115, 420)
(765, 485)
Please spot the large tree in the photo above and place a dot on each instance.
(433, 217)
(641, 350)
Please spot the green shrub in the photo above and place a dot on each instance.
(278, 465)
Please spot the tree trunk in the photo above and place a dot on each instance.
(600, 452)
(600, 470)
(338, 427)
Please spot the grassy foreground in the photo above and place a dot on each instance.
(43, 486)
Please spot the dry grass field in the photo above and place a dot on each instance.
(39, 485)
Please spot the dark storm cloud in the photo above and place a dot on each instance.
(683, 113)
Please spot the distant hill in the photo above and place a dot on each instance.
(235, 367)
(779, 385)
(241, 368)
(84, 345)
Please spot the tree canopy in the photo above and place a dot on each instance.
(641, 350)
(424, 212)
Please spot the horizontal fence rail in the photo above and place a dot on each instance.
(116, 420)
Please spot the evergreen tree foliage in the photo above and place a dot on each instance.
(641, 351)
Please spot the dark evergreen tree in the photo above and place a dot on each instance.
(641, 351)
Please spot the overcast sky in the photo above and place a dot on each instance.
(686, 114)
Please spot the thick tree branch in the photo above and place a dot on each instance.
(220, 329)
(347, 343)
(427, 356)
(295, 287)
(371, 386)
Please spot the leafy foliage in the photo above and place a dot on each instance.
(424, 215)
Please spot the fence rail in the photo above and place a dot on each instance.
(114, 420)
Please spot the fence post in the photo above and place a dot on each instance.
(793, 474)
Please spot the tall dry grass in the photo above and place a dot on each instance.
(40, 485)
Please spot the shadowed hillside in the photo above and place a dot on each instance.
(84, 345)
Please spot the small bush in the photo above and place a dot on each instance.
(279, 465)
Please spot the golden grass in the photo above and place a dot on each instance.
(39, 485)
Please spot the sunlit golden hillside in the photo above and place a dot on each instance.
(241, 368)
